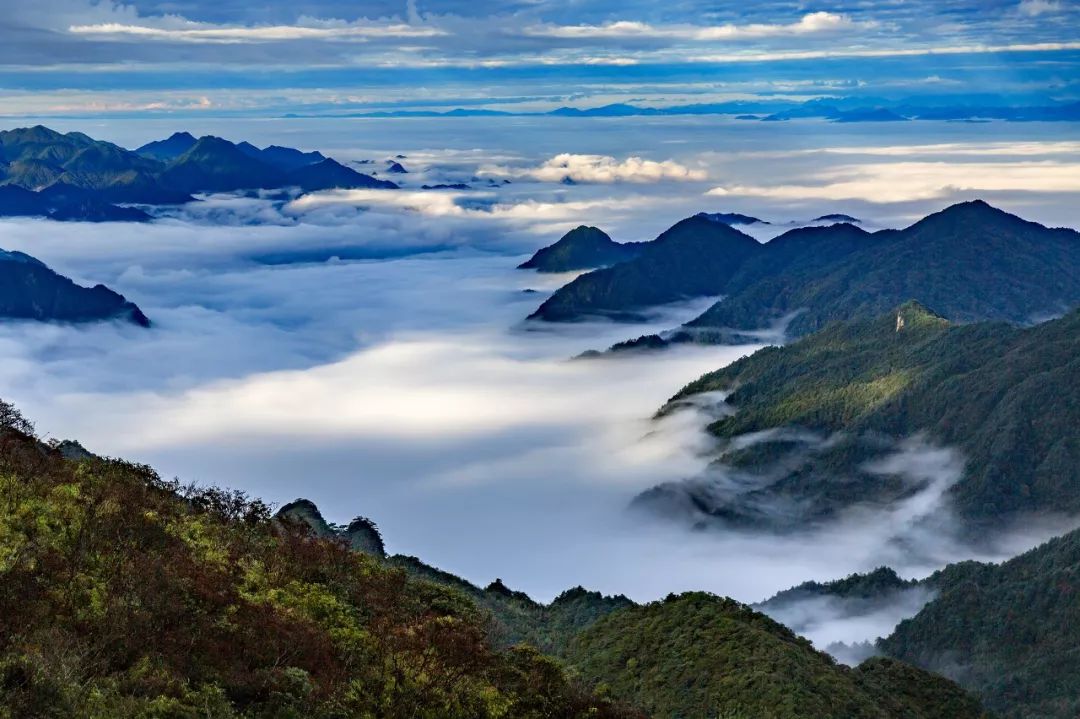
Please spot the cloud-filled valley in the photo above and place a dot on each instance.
(366, 348)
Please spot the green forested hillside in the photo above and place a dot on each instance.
(123, 595)
(697, 656)
(1007, 632)
(970, 262)
(1007, 398)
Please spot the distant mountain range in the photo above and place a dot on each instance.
(969, 262)
(586, 248)
(31, 291)
(813, 423)
(695, 257)
(74, 177)
(840, 109)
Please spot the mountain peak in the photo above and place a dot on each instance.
(915, 315)
(699, 226)
(973, 211)
(213, 142)
(583, 247)
(731, 218)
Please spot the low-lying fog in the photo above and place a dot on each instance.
(403, 385)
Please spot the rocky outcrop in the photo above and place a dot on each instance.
(361, 533)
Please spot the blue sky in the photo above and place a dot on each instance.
(228, 57)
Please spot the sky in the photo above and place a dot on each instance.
(326, 57)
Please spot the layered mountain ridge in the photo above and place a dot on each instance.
(969, 262)
(74, 177)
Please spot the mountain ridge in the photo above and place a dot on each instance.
(163, 172)
(1004, 397)
(29, 290)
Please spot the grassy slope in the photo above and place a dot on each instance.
(122, 597)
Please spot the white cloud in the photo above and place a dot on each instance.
(972, 49)
(810, 24)
(984, 150)
(1034, 8)
(909, 181)
(447, 204)
(202, 33)
(600, 169)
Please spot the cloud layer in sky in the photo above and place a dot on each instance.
(278, 57)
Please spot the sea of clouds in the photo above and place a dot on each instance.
(367, 349)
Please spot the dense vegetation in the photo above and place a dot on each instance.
(693, 258)
(1008, 398)
(1007, 632)
(124, 595)
(513, 617)
(697, 656)
(31, 291)
(74, 177)
(870, 587)
(582, 248)
(969, 262)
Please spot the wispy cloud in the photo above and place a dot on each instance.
(267, 33)
(812, 23)
(1034, 8)
(599, 169)
(451, 204)
(884, 52)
